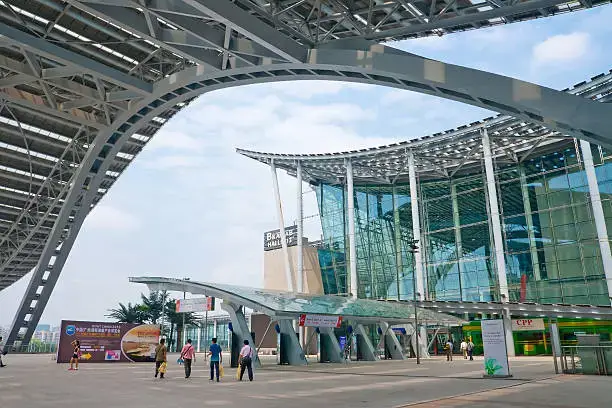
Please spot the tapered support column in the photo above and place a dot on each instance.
(329, 346)
(295, 354)
(422, 337)
(416, 226)
(241, 327)
(364, 345)
(598, 214)
(391, 342)
(281, 223)
(498, 242)
(350, 199)
(533, 248)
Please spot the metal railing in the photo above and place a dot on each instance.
(594, 360)
(32, 348)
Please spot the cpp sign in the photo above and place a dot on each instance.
(527, 324)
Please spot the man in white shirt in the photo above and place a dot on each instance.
(246, 360)
(464, 348)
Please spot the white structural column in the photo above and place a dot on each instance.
(598, 214)
(199, 337)
(300, 231)
(350, 209)
(458, 241)
(399, 264)
(498, 242)
(533, 249)
(281, 223)
(416, 226)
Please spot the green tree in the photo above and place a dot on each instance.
(176, 320)
(128, 314)
(154, 305)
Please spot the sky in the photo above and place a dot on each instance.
(189, 206)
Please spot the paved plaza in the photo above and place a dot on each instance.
(37, 381)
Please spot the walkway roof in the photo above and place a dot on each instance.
(282, 304)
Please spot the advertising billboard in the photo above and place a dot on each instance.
(108, 342)
(200, 304)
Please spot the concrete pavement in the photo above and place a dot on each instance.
(37, 381)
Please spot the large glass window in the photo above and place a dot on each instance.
(550, 235)
(551, 250)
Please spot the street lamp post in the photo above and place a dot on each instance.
(184, 328)
(414, 249)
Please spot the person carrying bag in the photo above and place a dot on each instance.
(188, 356)
(246, 360)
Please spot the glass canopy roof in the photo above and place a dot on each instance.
(287, 304)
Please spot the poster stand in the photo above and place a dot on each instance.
(495, 350)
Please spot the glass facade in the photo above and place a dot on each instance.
(551, 249)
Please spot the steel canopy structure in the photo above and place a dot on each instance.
(84, 85)
(288, 305)
(441, 155)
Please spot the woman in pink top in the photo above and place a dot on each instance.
(246, 360)
(188, 355)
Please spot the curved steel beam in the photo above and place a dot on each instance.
(375, 64)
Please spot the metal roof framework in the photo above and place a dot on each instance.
(289, 305)
(85, 84)
(438, 156)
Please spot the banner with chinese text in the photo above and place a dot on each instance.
(320, 320)
(102, 341)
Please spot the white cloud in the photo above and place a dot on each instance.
(167, 138)
(561, 48)
(174, 162)
(106, 217)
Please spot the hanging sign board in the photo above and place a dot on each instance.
(495, 353)
(200, 304)
(272, 239)
(320, 320)
(528, 324)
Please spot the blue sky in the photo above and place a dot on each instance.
(190, 206)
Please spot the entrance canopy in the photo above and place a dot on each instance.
(281, 304)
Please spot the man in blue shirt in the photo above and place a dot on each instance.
(216, 358)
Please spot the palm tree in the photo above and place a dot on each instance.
(176, 319)
(128, 314)
(154, 305)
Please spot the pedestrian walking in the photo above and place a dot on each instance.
(2, 353)
(464, 349)
(188, 356)
(161, 358)
(470, 349)
(448, 347)
(76, 354)
(216, 359)
(246, 360)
